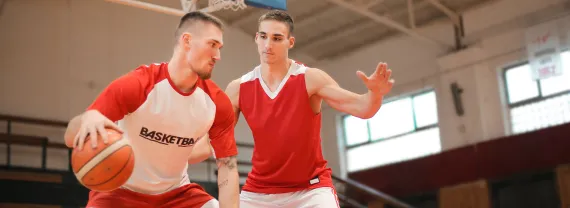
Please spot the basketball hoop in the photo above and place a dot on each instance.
(216, 5)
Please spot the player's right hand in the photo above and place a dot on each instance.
(93, 123)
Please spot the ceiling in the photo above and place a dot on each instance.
(329, 28)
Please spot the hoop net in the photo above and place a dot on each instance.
(234, 5)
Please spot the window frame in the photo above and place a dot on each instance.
(372, 141)
(538, 98)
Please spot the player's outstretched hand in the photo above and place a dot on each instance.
(379, 81)
(92, 124)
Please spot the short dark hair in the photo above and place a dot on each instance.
(279, 16)
(190, 18)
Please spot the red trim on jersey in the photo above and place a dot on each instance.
(335, 197)
(222, 132)
(127, 93)
(174, 85)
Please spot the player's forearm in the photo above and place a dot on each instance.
(360, 105)
(72, 129)
(370, 103)
(201, 151)
(228, 182)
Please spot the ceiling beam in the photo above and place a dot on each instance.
(411, 14)
(314, 18)
(350, 28)
(150, 7)
(447, 11)
(342, 33)
(373, 3)
(388, 22)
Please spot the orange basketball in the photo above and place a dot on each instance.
(106, 167)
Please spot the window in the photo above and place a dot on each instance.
(538, 104)
(403, 129)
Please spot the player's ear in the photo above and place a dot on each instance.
(256, 36)
(185, 39)
(291, 41)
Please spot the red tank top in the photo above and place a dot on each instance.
(287, 154)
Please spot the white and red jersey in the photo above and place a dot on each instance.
(287, 154)
(163, 124)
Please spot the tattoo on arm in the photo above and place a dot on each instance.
(230, 162)
(223, 183)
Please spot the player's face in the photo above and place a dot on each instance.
(205, 50)
(273, 41)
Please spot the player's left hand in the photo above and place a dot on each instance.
(379, 81)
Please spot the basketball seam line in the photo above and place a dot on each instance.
(116, 174)
(100, 157)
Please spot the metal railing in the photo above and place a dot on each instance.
(9, 139)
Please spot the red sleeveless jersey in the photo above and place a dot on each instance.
(287, 154)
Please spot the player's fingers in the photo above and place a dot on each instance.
(75, 140)
(112, 125)
(362, 76)
(93, 136)
(388, 74)
(81, 138)
(101, 130)
(381, 69)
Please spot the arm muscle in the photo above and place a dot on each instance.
(359, 105)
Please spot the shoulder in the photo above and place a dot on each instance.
(137, 79)
(316, 79)
(143, 76)
(215, 92)
(316, 75)
(233, 86)
(210, 87)
(247, 77)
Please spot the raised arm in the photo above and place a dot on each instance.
(360, 105)
(225, 150)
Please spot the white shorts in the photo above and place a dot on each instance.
(324, 197)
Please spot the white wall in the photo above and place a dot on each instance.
(495, 34)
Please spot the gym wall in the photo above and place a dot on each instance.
(58, 55)
(494, 33)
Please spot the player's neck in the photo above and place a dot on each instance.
(183, 77)
(275, 72)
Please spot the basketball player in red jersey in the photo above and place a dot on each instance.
(281, 102)
(164, 110)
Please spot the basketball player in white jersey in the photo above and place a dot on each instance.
(164, 109)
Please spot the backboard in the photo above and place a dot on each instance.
(216, 5)
(268, 4)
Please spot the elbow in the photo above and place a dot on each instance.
(370, 111)
(366, 113)
(198, 158)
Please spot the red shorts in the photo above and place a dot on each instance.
(188, 196)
